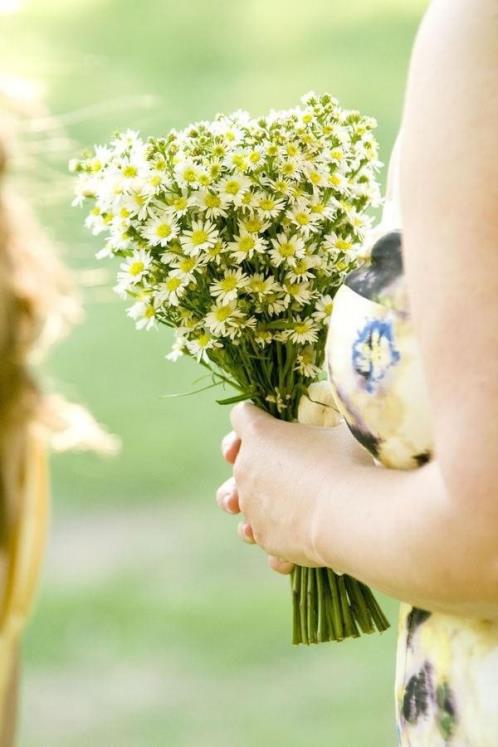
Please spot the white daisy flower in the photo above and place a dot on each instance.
(201, 236)
(337, 180)
(177, 348)
(318, 175)
(187, 172)
(276, 303)
(183, 267)
(323, 309)
(255, 158)
(133, 270)
(144, 314)
(161, 229)
(262, 337)
(232, 188)
(214, 205)
(245, 246)
(137, 203)
(237, 161)
(216, 253)
(334, 243)
(269, 206)
(303, 331)
(171, 290)
(228, 287)
(180, 203)
(253, 224)
(303, 268)
(260, 287)
(324, 209)
(199, 346)
(301, 216)
(287, 249)
(305, 363)
(297, 292)
(222, 317)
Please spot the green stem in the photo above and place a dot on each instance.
(350, 625)
(359, 608)
(302, 605)
(336, 613)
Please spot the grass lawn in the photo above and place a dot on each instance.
(154, 626)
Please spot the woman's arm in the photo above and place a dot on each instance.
(8, 709)
(429, 537)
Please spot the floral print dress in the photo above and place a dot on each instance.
(447, 667)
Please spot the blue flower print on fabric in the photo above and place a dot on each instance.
(374, 352)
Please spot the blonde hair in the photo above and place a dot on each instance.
(37, 307)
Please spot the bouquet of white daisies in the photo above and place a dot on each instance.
(237, 233)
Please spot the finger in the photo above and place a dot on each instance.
(245, 533)
(227, 497)
(230, 447)
(280, 566)
(245, 415)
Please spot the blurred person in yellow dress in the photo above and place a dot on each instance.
(36, 307)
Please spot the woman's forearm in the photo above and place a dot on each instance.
(403, 533)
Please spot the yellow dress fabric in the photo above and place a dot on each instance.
(24, 554)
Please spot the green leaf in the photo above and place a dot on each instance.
(235, 399)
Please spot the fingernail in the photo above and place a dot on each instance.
(227, 503)
(226, 443)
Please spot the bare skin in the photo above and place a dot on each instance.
(428, 537)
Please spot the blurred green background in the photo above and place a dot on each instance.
(154, 625)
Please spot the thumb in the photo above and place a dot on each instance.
(246, 417)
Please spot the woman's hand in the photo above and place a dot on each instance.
(280, 472)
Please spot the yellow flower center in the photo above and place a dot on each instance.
(180, 203)
(172, 284)
(301, 328)
(232, 187)
(200, 236)
(212, 201)
(136, 268)
(246, 243)
(239, 160)
(149, 312)
(222, 313)
(215, 170)
(287, 249)
(187, 264)
(253, 225)
(229, 283)
(302, 218)
(130, 171)
(203, 341)
(257, 285)
(267, 203)
(189, 174)
(163, 230)
(335, 180)
(343, 245)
